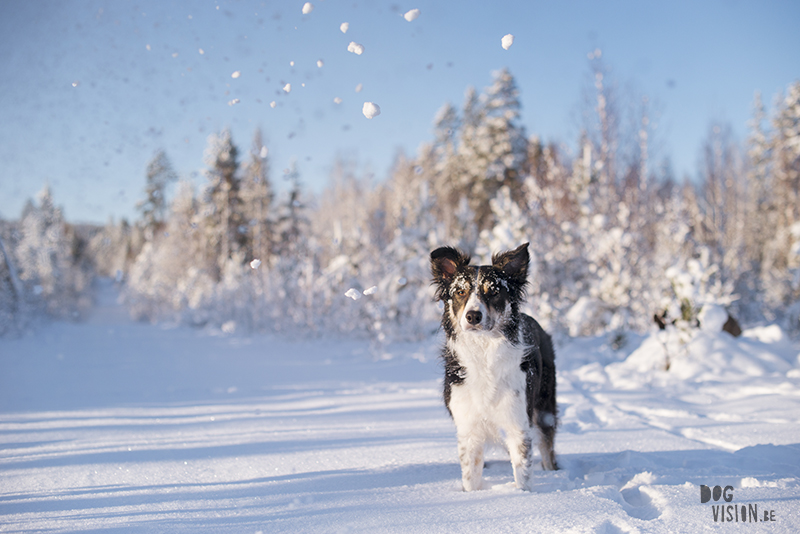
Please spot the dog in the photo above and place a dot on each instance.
(499, 363)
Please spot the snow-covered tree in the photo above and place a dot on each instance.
(257, 198)
(154, 207)
(223, 221)
(492, 149)
(47, 260)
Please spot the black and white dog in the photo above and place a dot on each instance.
(500, 373)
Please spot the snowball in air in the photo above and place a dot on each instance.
(507, 41)
(255, 264)
(320, 63)
(264, 152)
(233, 102)
(371, 110)
(236, 74)
(353, 294)
(337, 100)
(308, 7)
(355, 48)
(411, 15)
(371, 290)
(344, 27)
(287, 88)
(273, 104)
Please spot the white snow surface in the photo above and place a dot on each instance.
(112, 425)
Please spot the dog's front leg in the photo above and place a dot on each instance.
(470, 452)
(520, 450)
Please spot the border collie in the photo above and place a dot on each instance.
(499, 364)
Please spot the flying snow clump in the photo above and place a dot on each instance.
(287, 88)
(507, 41)
(273, 104)
(233, 102)
(236, 74)
(355, 48)
(255, 264)
(308, 7)
(264, 152)
(371, 290)
(411, 15)
(371, 110)
(353, 293)
(344, 27)
(320, 63)
(337, 100)
(359, 87)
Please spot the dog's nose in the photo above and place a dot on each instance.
(474, 317)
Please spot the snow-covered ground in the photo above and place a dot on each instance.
(119, 426)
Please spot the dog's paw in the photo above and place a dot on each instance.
(471, 485)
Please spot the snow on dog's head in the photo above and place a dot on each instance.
(479, 299)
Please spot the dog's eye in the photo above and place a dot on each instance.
(461, 292)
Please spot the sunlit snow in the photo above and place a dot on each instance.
(507, 41)
(355, 48)
(255, 264)
(320, 63)
(337, 100)
(353, 293)
(233, 102)
(308, 7)
(411, 15)
(273, 104)
(370, 110)
(370, 291)
(287, 88)
(236, 74)
(344, 27)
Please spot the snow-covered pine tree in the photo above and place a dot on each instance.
(154, 207)
(781, 262)
(257, 197)
(47, 261)
(221, 204)
(493, 146)
(295, 264)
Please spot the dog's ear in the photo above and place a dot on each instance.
(445, 261)
(514, 263)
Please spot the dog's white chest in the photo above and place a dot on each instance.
(493, 390)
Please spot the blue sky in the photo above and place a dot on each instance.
(90, 89)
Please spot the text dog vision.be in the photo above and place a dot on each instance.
(732, 513)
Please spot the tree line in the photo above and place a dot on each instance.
(615, 238)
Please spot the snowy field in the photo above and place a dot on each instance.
(111, 425)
